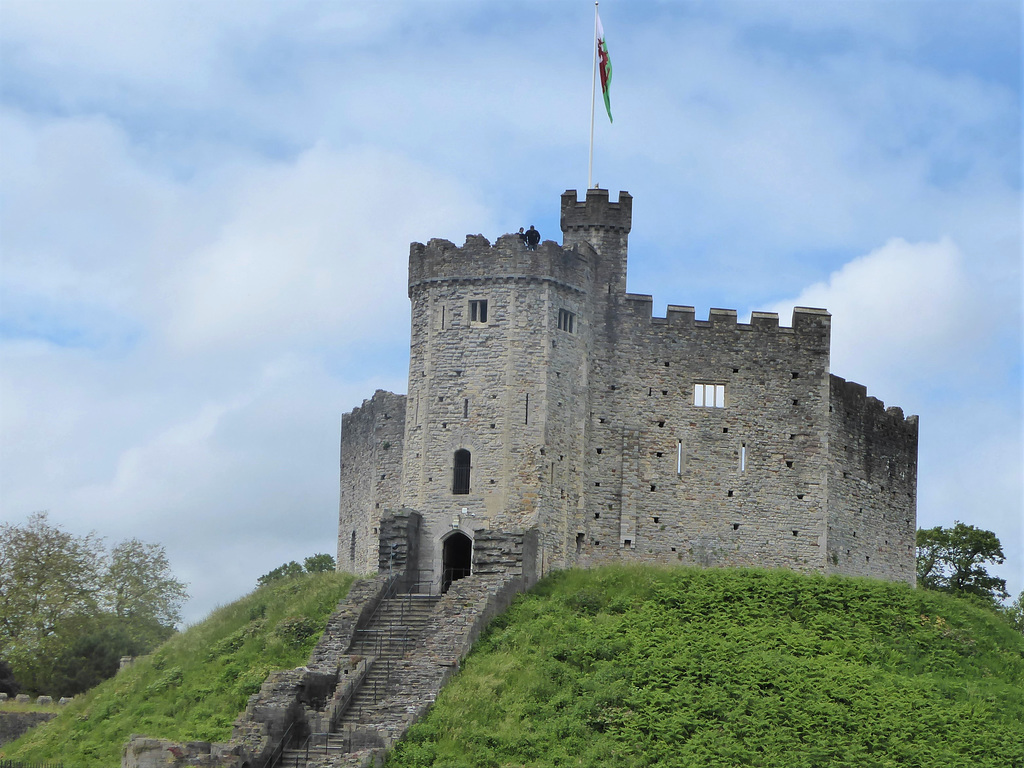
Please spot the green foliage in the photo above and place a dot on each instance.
(650, 667)
(141, 590)
(48, 577)
(8, 684)
(287, 571)
(1014, 613)
(68, 610)
(195, 685)
(953, 559)
(318, 563)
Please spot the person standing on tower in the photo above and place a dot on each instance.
(532, 238)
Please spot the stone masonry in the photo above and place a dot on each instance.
(542, 396)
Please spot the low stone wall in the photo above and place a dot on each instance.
(15, 724)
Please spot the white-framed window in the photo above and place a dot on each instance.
(709, 395)
(478, 311)
(566, 321)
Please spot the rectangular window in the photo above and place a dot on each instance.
(478, 310)
(566, 321)
(709, 395)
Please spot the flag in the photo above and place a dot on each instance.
(605, 65)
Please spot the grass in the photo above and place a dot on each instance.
(679, 667)
(12, 706)
(194, 686)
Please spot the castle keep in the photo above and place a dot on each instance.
(546, 401)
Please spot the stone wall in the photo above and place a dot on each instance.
(371, 469)
(398, 550)
(13, 725)
(872, 510)
(577, 407)
(734, 483)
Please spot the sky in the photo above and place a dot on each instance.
(206, 211)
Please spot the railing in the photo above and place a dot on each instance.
(392, 636)
(18, 764)
(275, 757)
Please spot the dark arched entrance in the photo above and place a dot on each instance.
(456, 559)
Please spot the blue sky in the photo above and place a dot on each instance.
(206, 207)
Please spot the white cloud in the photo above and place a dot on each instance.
(206, 215)
(898, 313)
(313, 249)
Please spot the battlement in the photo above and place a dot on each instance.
(805, 320)
(856, 401)
(596, 211)
(477, 259)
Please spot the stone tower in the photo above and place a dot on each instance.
(543, 397)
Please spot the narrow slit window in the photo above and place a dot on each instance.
(460, 478)
(478, 311)
(709, 395)
(566, 321)
(442, 318)
(743, 457)
(527, 411)
(679, 457)
(465, 408)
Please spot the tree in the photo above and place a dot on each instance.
(8, 684)
(953, 559)
(285, 571)
(47, 577)
(68, 611)
(314, 564)
(1014, 612)
(318, 563)
(140, 590)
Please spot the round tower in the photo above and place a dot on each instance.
(498, 382)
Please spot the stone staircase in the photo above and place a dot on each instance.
(395, 630)
(392, 632)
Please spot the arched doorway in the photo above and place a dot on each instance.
(456, 559)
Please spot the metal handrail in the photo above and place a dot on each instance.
(278, 752)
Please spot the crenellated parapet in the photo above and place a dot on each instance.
(507, 259)
(809, 322)
(855, 402)
(595, 211)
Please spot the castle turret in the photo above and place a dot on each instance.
(497, 382)
(604, 226)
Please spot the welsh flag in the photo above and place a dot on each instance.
(605, 65)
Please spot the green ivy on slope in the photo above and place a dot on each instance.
(656, 667)
(194, 686)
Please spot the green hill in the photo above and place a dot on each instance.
(624, 667)
(681, 667)
(195, 685)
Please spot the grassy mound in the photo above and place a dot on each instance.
(194, 686)
(651, 667)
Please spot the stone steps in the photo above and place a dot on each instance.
(394, 630)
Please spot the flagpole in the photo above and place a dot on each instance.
(593, 89)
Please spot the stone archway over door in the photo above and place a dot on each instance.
(456, 559)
